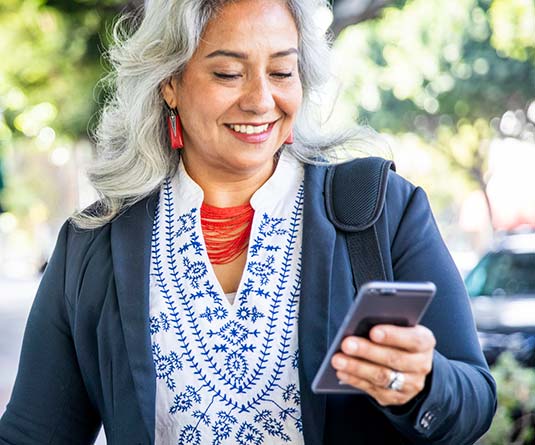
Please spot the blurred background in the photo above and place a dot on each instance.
(449, 85)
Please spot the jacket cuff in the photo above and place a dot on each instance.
(422, 412)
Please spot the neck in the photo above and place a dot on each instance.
(228, 189)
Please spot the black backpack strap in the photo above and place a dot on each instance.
(355, 194)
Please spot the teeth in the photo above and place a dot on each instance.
(249, 129)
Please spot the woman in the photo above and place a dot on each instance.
(192, 304)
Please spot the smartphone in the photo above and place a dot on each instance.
(377, 302)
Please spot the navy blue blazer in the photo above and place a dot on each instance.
(86, 356)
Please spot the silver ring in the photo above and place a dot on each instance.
(397, 380)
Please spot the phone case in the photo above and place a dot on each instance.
(377, 302)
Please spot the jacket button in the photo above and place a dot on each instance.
(427, 419)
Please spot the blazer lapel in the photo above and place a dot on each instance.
(131, 246)
(317, 259)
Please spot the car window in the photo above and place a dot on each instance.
(503, 273)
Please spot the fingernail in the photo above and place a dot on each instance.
(378, 335)
(352, 345)
(341, 378)
(340, 362)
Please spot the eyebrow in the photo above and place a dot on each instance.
(243, 56)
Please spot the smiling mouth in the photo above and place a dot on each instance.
(249, 129)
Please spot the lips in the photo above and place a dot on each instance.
(248, 128)
(251, 133)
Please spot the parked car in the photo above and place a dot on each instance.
(502, 291)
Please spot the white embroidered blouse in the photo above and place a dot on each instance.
(227, 372)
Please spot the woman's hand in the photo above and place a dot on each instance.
(369, 364)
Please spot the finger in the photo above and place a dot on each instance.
(413, 339)
(349, 379)
(383, 396)
(376, 375)
(387, 356)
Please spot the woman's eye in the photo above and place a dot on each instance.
(282, 75)
(226, 76)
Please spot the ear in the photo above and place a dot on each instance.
(169, 90)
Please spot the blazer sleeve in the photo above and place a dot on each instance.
(459, 399)
(49, 403)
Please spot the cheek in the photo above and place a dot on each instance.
(295, 97)
(298, 100)
(212, 103)
(290, 102)
(204, 111)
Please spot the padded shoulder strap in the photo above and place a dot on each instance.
(355, 194)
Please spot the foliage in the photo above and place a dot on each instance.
(513, 24)
(51, 63)
(51, 76)
(514, 422)
(446, 71)
(442, 66)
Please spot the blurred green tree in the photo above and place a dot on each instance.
(447, 71)
(51, 54)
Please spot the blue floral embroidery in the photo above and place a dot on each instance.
(157, 323)
(262, 270)
(233, 333)
(236, 366)
(256, 314)
(184, 401)
(222, 427)
(249, 287)
(154, 325)
(189, 436)
(220, 313)
(164, 321)
(236, 362)
(271, 425)
(187, 224)
(194, 271)
(269, 227)
(243, 313)
(165, 365)
(203, 417)
(208, 314)
(249, 435)
(291, 393)
(295, 359)
(288, 412)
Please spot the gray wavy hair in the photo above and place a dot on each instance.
(133, 155)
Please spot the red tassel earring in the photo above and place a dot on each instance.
(290, 139)
(175, 130)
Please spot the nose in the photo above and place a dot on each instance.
(257, 97)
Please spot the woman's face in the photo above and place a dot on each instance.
(239, 94)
